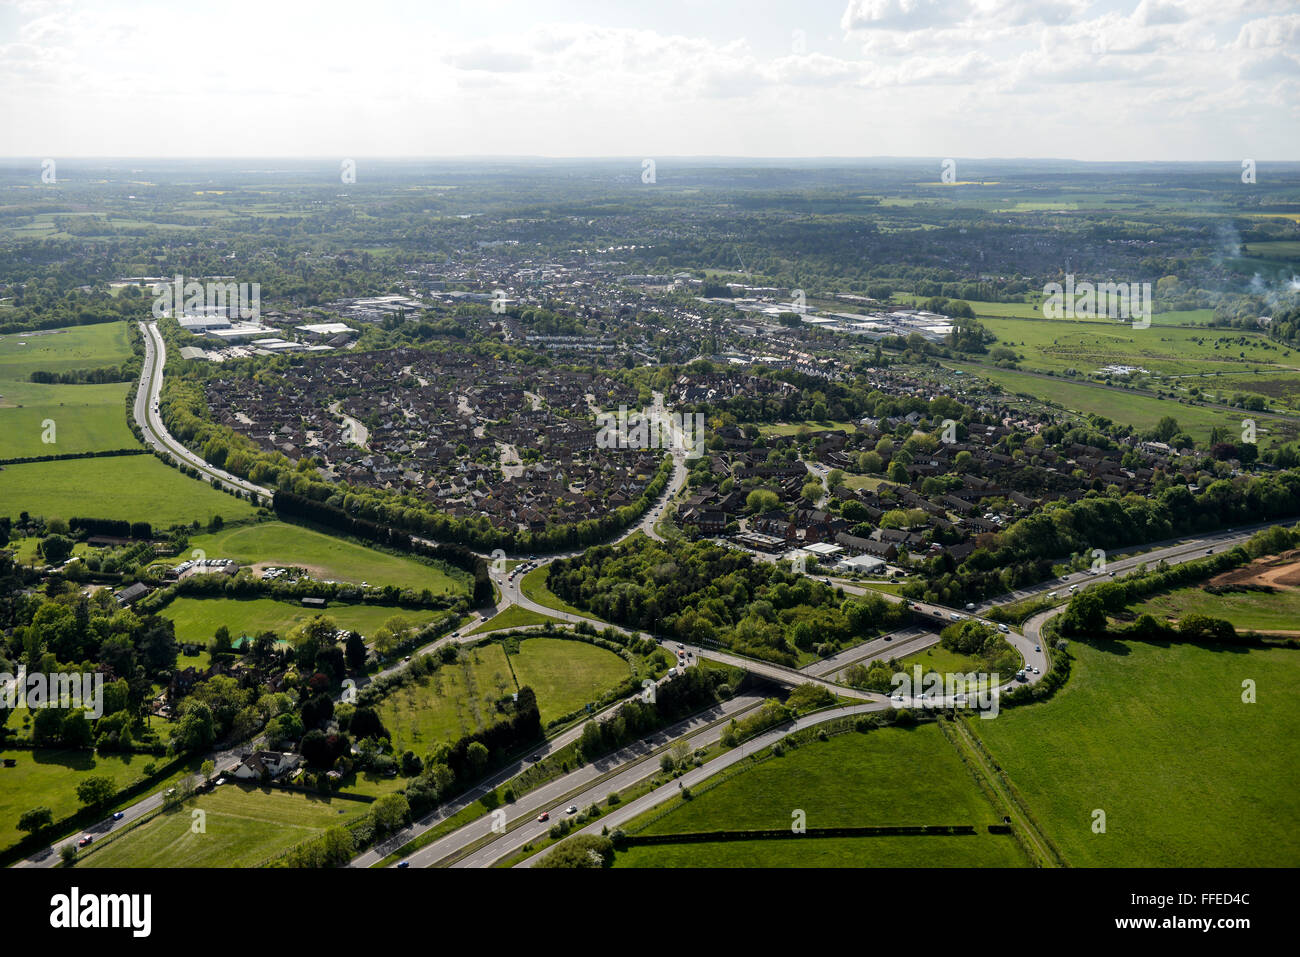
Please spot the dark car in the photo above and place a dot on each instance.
(118, 816)
(401, 864)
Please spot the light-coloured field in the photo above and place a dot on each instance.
(326, 557)
(242, 826)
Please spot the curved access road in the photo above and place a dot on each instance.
(151, 424)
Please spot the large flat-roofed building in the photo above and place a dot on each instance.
(325, 330)
(235, 333)
(203, 323)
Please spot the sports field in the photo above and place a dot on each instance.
(1159, 739)
(326, 557)
(137, 488)
(242, 826)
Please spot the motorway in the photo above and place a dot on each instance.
(625, 769)
(151, 424)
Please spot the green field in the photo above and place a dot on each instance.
(890, 776)
(1251, 610)
(516, 616)
(976, 850)
(197, 619)
(1128, 408)
(459, 699)
(137, 488)
(85, 417)
(793, 428)
(455, 701)
(49, 778)
(326, 557)
(940, 659)
(1159, 739)
(79, 418)
(243, 826)
(1087, 346)
(566, 674)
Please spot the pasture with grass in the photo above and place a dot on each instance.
(326, 557)
(137, 488)
(243, 826)
(1160, 739)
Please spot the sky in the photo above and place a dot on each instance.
(1166, 80)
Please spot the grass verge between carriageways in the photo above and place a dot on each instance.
(514, 617)
(533, 585)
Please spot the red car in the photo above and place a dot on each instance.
(84, 841)
(544, 816)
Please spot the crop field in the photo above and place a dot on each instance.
(137, 488)
(197, 619)
(1158, 737)
(566, 674)
(242, 827)
(326, 557)
(84, 418)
